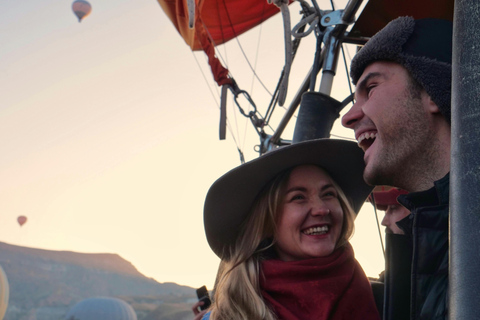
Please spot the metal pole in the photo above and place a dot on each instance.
(464, 277)
(350, 10)
(291, 109)
(336, 22)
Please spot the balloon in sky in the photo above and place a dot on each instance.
(21, 220)
(4, 292)
(101, 308)
(81, 8)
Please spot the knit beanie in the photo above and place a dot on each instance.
(423, 47)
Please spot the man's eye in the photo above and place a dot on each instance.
(370, 88)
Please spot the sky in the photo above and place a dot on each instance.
(109, 132)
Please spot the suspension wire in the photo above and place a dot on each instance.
(221, 28)
(273, 102)
(225, 52)
(239, 44)
(378, 223)
(379, 233)
(275, 94)
(225, 62)
(214, 45)
(333, 6)
(244, 134)
(244, 54)
(236, 124)
(353, 97)
(206, 81)
(255, 65)
(348, 54)
(253, 70)
(351, 93)
(348, 75)
(258, 48)
(242, 158)
(256, 56)
(346, 70)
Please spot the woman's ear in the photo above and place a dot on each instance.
(265, 243)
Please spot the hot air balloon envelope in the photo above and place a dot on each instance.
(4, 292)
(21, 220)
(102, 308)
(81, 8)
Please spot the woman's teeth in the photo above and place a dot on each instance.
(316, 230)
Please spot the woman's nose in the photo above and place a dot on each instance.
(319, 208)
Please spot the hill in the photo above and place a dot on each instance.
(44, 284)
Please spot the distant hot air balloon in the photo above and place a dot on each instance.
(101, 308)
(4, 292)
(21, 220)
(81, 8)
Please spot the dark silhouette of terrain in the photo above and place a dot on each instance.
(44, 284)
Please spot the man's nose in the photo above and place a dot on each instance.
(385, 220)
(352, 116)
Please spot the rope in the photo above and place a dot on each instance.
(229, 126)
(283, 5)
(312, 20)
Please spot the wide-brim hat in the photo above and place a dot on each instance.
(230, 198)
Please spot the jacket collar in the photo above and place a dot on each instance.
(437, 195)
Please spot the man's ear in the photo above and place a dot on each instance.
(429, 104)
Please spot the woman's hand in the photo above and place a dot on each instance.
(197, 312)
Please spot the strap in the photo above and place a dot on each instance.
(283, 5)
(223, 112)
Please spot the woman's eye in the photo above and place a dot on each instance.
(332, 194)
(297, 197)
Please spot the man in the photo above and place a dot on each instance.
(398, 253)
(401, 119)
(386, 200)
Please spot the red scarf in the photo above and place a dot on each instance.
(327, 288)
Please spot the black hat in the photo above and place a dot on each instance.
(423, 47)
(230, 198)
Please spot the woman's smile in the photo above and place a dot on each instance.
(311, 217)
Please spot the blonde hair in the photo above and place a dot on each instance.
(237, 293)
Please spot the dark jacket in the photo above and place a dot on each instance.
(421, 256)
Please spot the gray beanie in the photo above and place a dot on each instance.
(423, 47)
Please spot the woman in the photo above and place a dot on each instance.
(280, 225)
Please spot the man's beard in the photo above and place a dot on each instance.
(403, 146)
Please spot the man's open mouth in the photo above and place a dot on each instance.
(366, 139)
